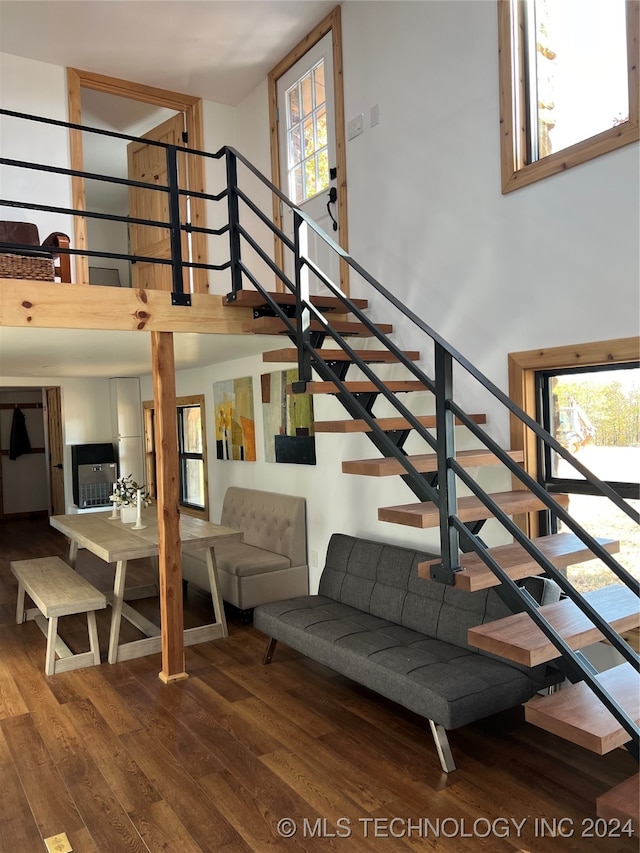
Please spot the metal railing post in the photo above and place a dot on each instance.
(448, 503)
(174, 219)
(234, 221)
(303, 315)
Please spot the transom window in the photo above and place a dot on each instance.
(568, 83)
(307, 153)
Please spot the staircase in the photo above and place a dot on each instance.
(575, 713)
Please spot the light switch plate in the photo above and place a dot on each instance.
(355, 127)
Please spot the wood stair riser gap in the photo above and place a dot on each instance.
(561, 549)
(276, 326)
(576, 714)
(519, 639)
(470, 508)
(290, 354)
(385, 424)
(398, 386)
(423, 463)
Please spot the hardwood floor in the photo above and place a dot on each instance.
(119, 761)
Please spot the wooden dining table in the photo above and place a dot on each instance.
(114, 542)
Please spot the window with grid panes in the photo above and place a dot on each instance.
(307, 154)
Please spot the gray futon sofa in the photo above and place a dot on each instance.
(375, 621)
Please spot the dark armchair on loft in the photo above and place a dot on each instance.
(22, 255)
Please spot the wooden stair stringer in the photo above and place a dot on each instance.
(576, 714)
(561, 549)
(519, 639)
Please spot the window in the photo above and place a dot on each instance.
(595, 414)
(568, 83)
(593, 410)
(192, 454)
(307, 153)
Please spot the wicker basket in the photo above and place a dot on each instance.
(36, 267)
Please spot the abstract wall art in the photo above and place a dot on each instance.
(288, 420)
(235, 422)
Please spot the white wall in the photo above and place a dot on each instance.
(86, 416)
(552, 264)
(40, 89)
(24, 480)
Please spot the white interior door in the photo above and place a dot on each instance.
(307, 146)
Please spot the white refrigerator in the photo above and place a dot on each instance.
(126, 423)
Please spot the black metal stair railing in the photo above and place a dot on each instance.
(454, 534)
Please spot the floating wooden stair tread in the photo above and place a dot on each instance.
(622, 803)
(469, 509)
(576, 714)
(519, 639)
(425, 463)
(275, 326)
(396, 386)
(368, 356)
(561, 549)
(254, 299)
(386, 424)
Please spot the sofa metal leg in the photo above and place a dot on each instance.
(269, 652)
(442, 745)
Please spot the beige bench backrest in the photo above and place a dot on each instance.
(269, 520)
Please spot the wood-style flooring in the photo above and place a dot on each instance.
(122, 763)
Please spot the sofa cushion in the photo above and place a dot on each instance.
(242, 560)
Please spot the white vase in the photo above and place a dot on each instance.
(128, 513)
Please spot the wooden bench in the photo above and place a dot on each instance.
(57, 590)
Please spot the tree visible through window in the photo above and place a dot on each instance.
(307, 153)
(595, 414)
(568, 83)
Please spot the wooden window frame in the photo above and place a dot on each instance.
(150, 452)
(523, 367)
(516, 172)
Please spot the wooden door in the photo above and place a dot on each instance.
(148, 163)
(56, 450)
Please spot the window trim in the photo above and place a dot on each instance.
(515, 171)
(523, 367)
(150, 452)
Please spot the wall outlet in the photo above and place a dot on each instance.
(313, 558)
(374, 115)
(355, 127)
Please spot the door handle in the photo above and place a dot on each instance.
(333, 197)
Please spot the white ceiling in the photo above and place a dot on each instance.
(219, 50)
(78, 353)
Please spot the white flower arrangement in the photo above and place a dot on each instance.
(125, 492)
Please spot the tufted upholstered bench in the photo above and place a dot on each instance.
(271, 561)
(378, 623)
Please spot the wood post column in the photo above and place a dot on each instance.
(168, 496)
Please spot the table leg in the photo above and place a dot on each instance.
(218, 607)
(73, 553)
(116, 612)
